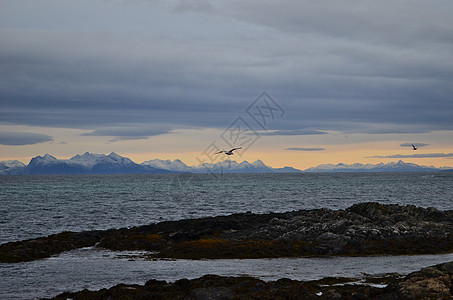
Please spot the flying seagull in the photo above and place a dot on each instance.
(228, 152)
(413, 147)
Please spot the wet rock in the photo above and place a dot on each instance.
(447, 268)
(219, 293)
(431, 272)
(332, 294)
(329, 238)
(363, 229)
(45, 247)
(428, 283)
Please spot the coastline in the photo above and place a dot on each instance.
(433, 282)
(363, 229)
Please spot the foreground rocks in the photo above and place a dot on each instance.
(363, 229)
(429, 283)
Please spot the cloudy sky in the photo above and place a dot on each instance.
(344, 81)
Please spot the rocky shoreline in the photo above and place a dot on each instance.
(429, 283)
(362, 229)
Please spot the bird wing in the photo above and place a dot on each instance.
(413, 146)
(220, 152)
(235, 149)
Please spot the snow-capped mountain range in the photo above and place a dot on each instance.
(113, 163)
(225, 166)
(399, 166)
(87, 163)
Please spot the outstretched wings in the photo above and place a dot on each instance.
(228, 152)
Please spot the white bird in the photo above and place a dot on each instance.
(413, 147)
(228, 152)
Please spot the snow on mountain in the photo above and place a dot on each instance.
(11, 167)
(87, 159)
(116, 164)
(48, 164)
(11, 164)
(89, 163)
(399, 166)
(158, 163)
(47, 159)
(115, 158)
(90, 159)
(224, 166)
(332, 167)
(176, 165)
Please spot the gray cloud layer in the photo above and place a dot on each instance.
(23, 138)
(128, 133)
(331, 66)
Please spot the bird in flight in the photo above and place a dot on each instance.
(413, 147)
(228, 152)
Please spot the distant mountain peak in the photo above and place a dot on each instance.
(86, 163)
(224, 166)
(47, 158)
(10, 164)
(90, 163)
(399, 166)
(114, 155)
(86, 157)
(258, 162)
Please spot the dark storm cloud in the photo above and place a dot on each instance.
(423, 155)
(305, 149)
(23, 138)
(354, 67)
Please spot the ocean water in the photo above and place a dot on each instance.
(34, 206)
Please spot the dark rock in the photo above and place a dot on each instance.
(447, 268)
(45, 247)
(219, 293)
(428, 283)
(363, 229)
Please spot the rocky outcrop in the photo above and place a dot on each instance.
(429, 283)
(363, 229)
(47, 246)
(219, 287)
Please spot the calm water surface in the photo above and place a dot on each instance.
(93, 269)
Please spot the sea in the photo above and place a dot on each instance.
(39, 205)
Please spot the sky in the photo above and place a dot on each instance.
(294, 83)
